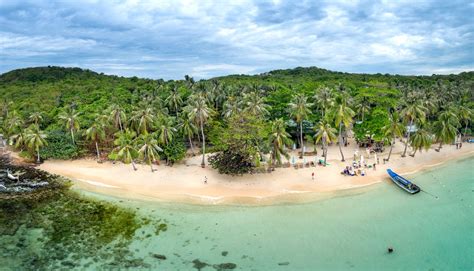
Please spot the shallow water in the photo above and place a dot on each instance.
(348, 232)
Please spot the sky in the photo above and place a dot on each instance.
(203, 39)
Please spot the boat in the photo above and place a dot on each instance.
(403, 183)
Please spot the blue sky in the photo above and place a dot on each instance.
(168, 39)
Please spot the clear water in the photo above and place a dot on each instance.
(349, 232)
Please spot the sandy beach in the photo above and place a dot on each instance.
(184, 182)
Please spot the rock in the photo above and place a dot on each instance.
(284, 263)
(224, 253)
(159, 256)
(225, 266)
(199, 265)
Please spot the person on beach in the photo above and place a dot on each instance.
(205, 179)
(374, 166)
(312, 176)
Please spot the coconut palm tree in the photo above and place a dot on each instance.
(392, 130)
(446, 127)
(125, 147)
(117, 116)
(231, 107)
(363, 108)
(299, 109)
(35, 140)
(166, 130)
(200, 112)
(96, 133)
(149, 149)
(420, 140)
(465, 115)
(414, 112)
(35, 117)
(142, 120)
(18, 140)
(343, 117)
(326, 134)
(324, 99)
(186, 127)
(70, 119)
(279, 139)
(255, 104)
(13, 123)
(174, 100)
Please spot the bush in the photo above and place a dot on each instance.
(174, 151)
(228, 162)
(59, 146)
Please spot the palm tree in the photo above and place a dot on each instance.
(13, 123)
(343, 116)
(465, 115)
(126, 151)
(231, 107)
(166, 130)
(415, 111)
(446, 127)
(392, 130)
(279, 138)
(18, 140)
(187, 127)
(200, 112)
(117, 115)
(149, 149)
(35, 117)
(324, 99)
(299, 109)
(363, 108)
(96, 133)
(420, 140)
(70, 121)
(325, 134)
(35, 139)
(142, 120)
(255, 104)
(174, 100)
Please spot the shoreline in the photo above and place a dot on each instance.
(183, 183)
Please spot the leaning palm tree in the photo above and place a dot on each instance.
(325, 134)
(255, 104)
(414, 112)
(166, 130)
(186, 127)
(35, 117)
(446, 127)
(70, 119)
(299, 109)
(117, 116)
(13, 123)
(465, 115)
(231, 107)
(18, 140)
(149, 149)
(142, 120)
(279, 139)
(174, 100)
(343, 117)
(200, 112)
(420, 140)
(392, 130)
(96, 133)
(35, 140)
(125, 147)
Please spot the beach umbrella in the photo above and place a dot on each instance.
(293, 160)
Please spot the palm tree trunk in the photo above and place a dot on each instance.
(97, 150)
(440, 145)
(408, 139)
(301, 137)
(325, 153)
(391, 148)
(38, 155)
(203, 162)
(191, 144)
(133, 165)
(151, 166)
(72, 136)
(465, 129)
(340, 141)
(413, 154)
(120, 125)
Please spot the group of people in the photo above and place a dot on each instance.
(357, 169)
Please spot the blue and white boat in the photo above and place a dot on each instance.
(403, 183)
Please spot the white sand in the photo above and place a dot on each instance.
(185, 182)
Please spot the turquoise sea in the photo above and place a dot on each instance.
(350, 231)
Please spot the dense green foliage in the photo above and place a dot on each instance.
(59, 146)
(95, 110)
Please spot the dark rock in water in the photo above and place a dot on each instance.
(224, 253)
(284, 263)
(224, 266)
(199, 265)
(159, 256)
